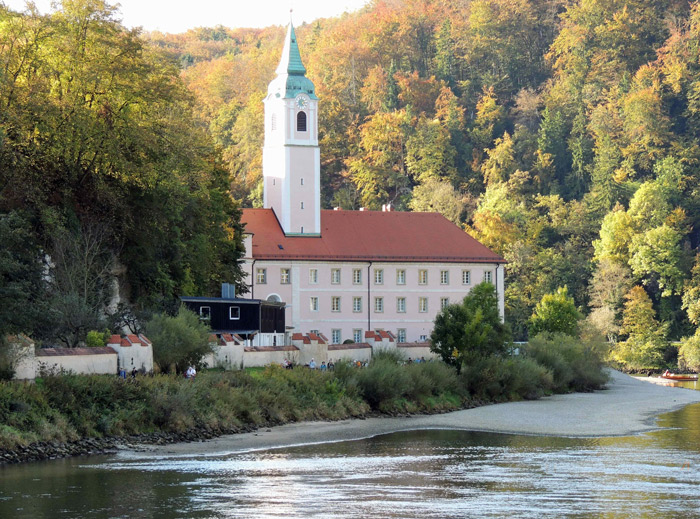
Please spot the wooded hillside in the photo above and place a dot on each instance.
(562, 134)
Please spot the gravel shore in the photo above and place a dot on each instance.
(628, 406)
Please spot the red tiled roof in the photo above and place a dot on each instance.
(115, 339)
(413, 345)
(386, 335)
(260, 349)
(368, 236)
(353, 346)
(60, 352)
(133, 338)
(144, 340)
(227, 337)
(125, 342)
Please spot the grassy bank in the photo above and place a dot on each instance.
(68, 408)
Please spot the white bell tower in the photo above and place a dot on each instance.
(291, 156)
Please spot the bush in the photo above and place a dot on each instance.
(96, 339)
(689, 353)
(178, 341)
(576, 364)
(499, 379)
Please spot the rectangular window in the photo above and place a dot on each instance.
(313, 276)
(422, 304)
(444, 277)
(234, 313)
(401, 335)
(313, 304)
(357, 335)
(423, 338)
(335, 336)
(356, 276)
(302, 181)
(205, 312)
(466, 277)
(261, 277)
(315, 332)
(302, 205)
(400, 277)
(356, 304)
(284, 276)
(335, 304)
(444, 302)
(401, 304)
(379, 305)
(488, 276)
(335, 276)
(378, 276)
(422, 277)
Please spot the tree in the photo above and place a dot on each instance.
(657, 255)
(21, 287)
(555, 313)
(79, 285)
(645, 335)
(689, 353)
(471, 330)
(437, 196)
(179, 341)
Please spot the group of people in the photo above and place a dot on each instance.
(323, 367)
(190, 373)
(416, 360)
(122, 373)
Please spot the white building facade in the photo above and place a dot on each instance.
(343, 273)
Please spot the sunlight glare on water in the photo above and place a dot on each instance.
(431, 474)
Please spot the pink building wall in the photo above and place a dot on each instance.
(417, 324)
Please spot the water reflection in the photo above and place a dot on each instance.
(416, 474)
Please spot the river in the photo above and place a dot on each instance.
(426, 474)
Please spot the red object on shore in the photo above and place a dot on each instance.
(672, 376)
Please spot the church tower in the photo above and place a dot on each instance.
(291, 156)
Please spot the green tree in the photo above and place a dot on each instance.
(658, 256)
(21, 286)
(471, 330)
(437, 196)
(178, 341)
(555, 313)
(645, 335)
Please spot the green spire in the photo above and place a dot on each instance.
(291, 77)
(291, 59)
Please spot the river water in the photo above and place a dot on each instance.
(426, 474)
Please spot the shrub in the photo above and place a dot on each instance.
(576, 364)
(96, 339)
(181, 341)
(689, 353)
(497, 379)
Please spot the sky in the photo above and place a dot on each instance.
(179, 15)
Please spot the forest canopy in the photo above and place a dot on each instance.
(562, 134)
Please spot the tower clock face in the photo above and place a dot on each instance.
(302, 102)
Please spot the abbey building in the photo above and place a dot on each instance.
(345, 273)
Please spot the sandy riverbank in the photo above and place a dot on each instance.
(628, 406)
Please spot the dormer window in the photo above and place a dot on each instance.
(301, 122)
